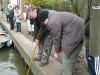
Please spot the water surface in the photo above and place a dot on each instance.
(11, 62)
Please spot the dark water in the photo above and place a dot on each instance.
(11, 63)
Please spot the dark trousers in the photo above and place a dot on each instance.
(11, 24)
(45, 48)
(18, 26)
(91, 63)
(7, 16)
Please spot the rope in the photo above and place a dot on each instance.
(31, 61)
(50, 70)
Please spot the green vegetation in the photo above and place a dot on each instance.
(60, 5)
(5, 3)
(37, 3)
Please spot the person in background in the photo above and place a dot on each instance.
(7, 14)
(42, 39)
(92, 36)
(15, 26)
(32, 26)
(2, 10)
(67, 30)
(11, 16)
(18, 21)
(28, 19)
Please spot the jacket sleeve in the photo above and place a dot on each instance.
(56, 30)
(36, 30)
(12, 13)
(87, 25)
(87, 18)
(74, 6)
(39, 31)
(42, 32)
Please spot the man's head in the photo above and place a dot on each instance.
(16, 7)
(26, 6)
(43, 17)
(10, 7)
(33, 13)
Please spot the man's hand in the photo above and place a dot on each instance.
(56, 55)
(36, 43)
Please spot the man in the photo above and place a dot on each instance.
(42, 39)
(67, 30)
(11, 16)
(92, 36)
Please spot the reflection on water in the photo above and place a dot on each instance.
(11, 63)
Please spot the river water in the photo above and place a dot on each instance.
(11, 62)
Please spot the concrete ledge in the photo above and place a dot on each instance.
(25, 47)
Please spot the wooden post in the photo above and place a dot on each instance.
(23, 9)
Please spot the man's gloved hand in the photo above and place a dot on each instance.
(36, 43)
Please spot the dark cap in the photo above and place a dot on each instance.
(43, 15)
(16, 6)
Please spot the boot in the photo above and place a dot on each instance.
(36, 59)
(29, 33)
(42, 64)
(32, 33)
